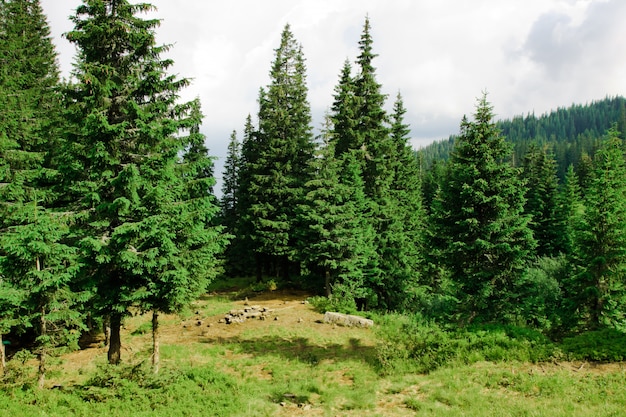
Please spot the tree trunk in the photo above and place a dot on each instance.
(327, 282)
(3, 363)
(41, 372)
(106, 329)
(156, 355)
(115, 342)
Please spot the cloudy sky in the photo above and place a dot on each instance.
(529, 55)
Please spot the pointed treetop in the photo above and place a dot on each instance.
(365, 46)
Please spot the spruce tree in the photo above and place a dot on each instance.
(337, 239)
(405, 241)
(229, 206)
(599, 286)
(37, 265)
(343, 113)
(540, 174)
(228, 202)
(284, 147)
(372, 132)
(178, 238)
(144, 215)
(362, 128)
(241, 257)
(482, 234)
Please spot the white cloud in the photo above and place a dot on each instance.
(530, 55)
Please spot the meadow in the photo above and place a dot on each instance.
(292, 364)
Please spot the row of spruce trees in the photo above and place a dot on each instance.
(357, 214)
(107, 205)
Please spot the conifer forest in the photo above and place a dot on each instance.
(108, 207)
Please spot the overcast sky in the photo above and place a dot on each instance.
(529, 55)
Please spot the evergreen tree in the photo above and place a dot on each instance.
(337, 239)
(284, 147)
(600, 286)
(570, 209)
(241, 257)
(228, 202)
(539, 172)
(179, 242)
(372, 133)
(483, 236)
(143, 215)
(37, 265)
(408, 214)
(343, 113)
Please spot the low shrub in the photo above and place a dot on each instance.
(414, 344)
(606, 345)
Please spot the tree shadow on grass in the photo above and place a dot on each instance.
(300, 349)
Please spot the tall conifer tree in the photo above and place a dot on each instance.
(540, 173)
(37, 265)
(144, 214)
(484, 238)
(284, 147)
(337, 239)
(600, 285)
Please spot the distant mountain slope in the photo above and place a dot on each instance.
(568, 132)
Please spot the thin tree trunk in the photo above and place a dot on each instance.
(327, 282)
(106, 329)
(156, 354)
(115, 343)
(41, 373)
(3, 363)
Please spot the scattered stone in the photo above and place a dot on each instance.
(276, 318)
(283, 404)
(347, 320)
(300, 320)
(209, 325)
(199, 323)
(250, 312)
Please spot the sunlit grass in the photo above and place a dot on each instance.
(289, 367)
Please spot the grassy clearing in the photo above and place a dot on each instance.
(296, 366)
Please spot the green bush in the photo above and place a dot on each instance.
(414, 344)
(539, 293)
(606, 345)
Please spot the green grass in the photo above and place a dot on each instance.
(406, 366)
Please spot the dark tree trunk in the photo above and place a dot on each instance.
(327, 282)
(156, 355)
(115, 343)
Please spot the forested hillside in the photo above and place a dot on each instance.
(107, 208)
(569, 132)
